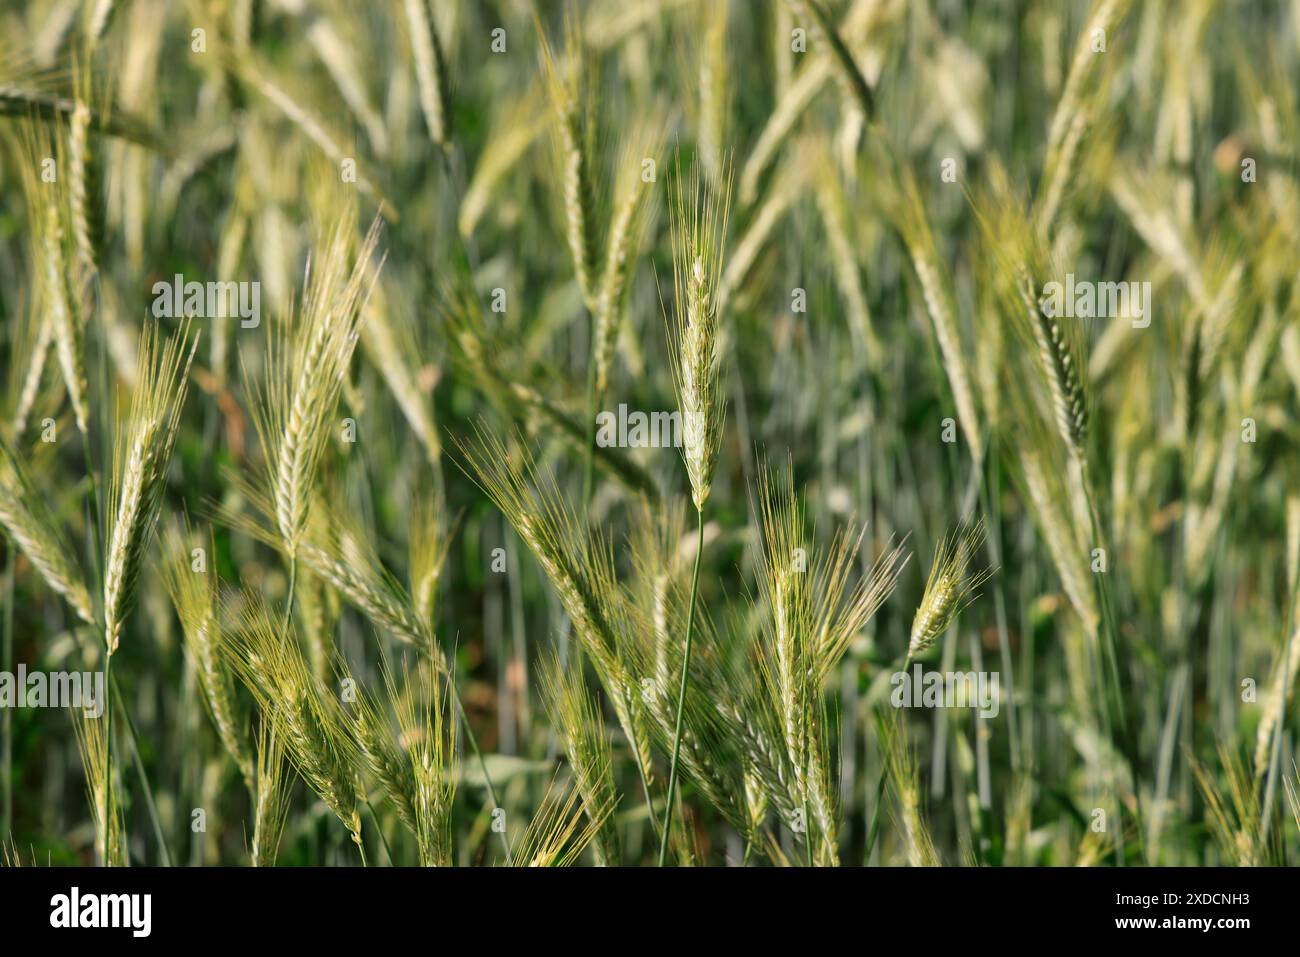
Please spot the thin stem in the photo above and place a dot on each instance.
(382, 838)
(588, 478)
(110, 680)
(681, 692)
(150, 806)
(293, 582)
(1110, 655)
(874, 829)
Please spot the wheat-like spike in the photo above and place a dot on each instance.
(579, 566)
(833, 206)
(103, 789)
(372, 729)
(430, 72)
(35, 366)
(336, 55)
(78, 197)
(1059, 533)
(271, 790)
(794, 101)
(1074, 114)
(573, 130)
(715, 91)
(429, 739)
(509, 140)
(576, 565)
(949, 589)
(247, 66)
(846, 67)
(914, 225)
(621, 248)
(306, 378)
(141, 457)
(579, 722)
(68, 333)
(813, 617)
(784, 192)
(901, 768)
(390, 344)
(98, 18)
(789, 109)
(375, 598)
(194, 594)
(557, 834)
(477, 349)
(312, 600)
(27, 519)
(430, 541)
(1235, 821)
(787, 592)
(337, 553)
(1106, 14)
(1279, 693)
(264, 653)
(1060, 367)
(699, 228)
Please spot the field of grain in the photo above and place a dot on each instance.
(682, 432)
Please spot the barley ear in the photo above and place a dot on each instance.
(699, 228)
(27, 519)
(949, 589)
(142, 454)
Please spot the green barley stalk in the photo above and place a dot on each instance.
(699, 228)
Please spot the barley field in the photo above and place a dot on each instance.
(682, 432)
